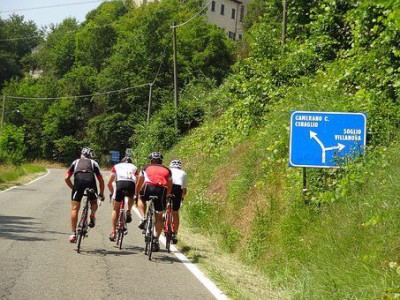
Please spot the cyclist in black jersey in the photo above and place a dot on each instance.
(84, 170)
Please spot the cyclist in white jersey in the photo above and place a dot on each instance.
(179, 190)
(125, 176)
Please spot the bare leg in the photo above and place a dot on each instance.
(114, 215)
(142, 207)
(93, 206)
(130, 204)
(159, 224)
(74, 214)
(175, 215)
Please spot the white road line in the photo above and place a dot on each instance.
(217, 293)
(36, 179)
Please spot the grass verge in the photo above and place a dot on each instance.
(16, 175)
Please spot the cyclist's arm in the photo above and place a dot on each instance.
(139, 185)
(184, 185)
(184, 192)
(110, 183)
(68, 180)
(169, 186)
(101, 183)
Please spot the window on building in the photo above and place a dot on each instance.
(233, 13)
(231, 35)
(213, 6)
(222, 9)
(241, 13)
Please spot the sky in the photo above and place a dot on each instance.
(45, 12)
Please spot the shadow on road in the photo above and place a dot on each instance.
(116, 252)
(23, 229)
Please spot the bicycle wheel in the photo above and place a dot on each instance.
(80, 236)
(151, 245)
(120, 230)
(148, 235)
(81, 229)
(168, 231)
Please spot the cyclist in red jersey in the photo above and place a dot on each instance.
(154, 180)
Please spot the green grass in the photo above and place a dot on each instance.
(242, 192)
(11, 173)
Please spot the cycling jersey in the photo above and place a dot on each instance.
(84, 171)
(179, 177)
(125, 172)
(157, 175)
(179, 182)
(84, 168)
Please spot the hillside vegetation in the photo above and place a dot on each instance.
(344, 242)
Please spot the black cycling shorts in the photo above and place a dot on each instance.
(124, 188)
(177, 200)
(153, 190)
(79, 189)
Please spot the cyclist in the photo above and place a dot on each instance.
(84, 170)
(154, 180)
(179, 190)
(125, 176)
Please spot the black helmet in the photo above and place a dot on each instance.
(126, 159)
(87, 152)
(155, 156)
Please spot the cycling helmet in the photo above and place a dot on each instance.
(155, 156)
(176, 163)
(87, 152)
(126, 159)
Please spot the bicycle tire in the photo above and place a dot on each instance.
(81, 227)
(148, 234)
(168, 234)
(121, 238)
(80, 236)
(120, 230)
(151, 245)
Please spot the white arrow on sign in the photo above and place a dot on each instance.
(339, 147)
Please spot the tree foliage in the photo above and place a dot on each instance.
(117, 47)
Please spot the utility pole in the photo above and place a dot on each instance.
(175, 76)
(284, 21)
(3, 111)
(149, 105)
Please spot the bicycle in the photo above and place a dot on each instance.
(83, 225)
(121, 225)
(149, 230)
(169, 225)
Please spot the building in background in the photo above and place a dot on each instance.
(226, 14)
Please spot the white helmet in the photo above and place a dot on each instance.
(87, 152)
(176, 163)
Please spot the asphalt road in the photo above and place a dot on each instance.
(38, 262)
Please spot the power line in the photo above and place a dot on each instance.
(68, 31)
(199, 12)
(50, 6)
(79, 96)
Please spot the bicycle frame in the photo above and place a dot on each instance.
(121, 224)
(169, 225)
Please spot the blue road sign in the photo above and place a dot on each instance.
(114, 156)
(324, 139)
